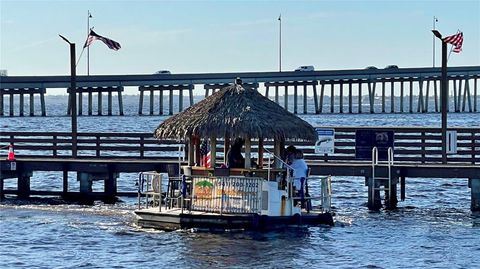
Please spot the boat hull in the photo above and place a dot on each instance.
(174, 219)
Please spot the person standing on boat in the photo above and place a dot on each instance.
(234, 155)
(300, 169)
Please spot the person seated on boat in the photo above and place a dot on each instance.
(300, 169)
(234, 155)
(290, 154)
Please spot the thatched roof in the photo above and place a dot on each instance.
(236, 112)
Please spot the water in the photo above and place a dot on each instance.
(433, 227)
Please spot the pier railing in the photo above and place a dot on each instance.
(412, 145)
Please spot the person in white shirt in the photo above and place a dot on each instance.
(300, 169)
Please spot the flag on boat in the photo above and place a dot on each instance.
(456, 40)
(205, 154)
(94, 36)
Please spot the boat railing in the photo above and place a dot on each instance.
(309, 201)
(150, 189)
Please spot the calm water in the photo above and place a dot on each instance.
(433, 228)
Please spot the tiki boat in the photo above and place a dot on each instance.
(207, 195)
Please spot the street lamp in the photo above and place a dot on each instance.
(443, 95)
(72, 96)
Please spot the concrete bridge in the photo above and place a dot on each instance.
(399, 90)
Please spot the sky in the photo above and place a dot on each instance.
(232, 36)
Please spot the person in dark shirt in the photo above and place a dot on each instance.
(234, 154)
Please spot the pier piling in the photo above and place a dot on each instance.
(474, 184)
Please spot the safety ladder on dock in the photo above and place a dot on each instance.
(375, 164)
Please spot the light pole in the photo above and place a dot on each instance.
(280, 43)
(72, 96)
(443, 95)
(88, 48)
(435, 19)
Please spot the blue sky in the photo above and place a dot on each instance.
(231, 36)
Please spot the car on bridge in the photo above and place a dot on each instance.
(163, 72)
(305, 68)
(392, 66)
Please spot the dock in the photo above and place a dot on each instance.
(103, 156)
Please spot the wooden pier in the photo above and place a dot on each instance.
(103, 156)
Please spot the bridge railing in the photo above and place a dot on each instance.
(412, 145)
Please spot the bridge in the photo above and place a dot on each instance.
(103, 156)
(402, 90)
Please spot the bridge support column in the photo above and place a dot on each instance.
(474, 184)
(22, 104)
(374, 201)
(23, 187)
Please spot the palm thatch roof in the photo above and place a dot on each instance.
(236, 112)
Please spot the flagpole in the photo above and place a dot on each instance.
(435, 19)
(88, 48)
(280, 44)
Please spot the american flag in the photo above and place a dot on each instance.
(205, 153)
(456, 40)
(94, 36)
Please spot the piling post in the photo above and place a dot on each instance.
(374, 201)
(383, 96)
(2, 195)
(23, 187)
(11, 103)
(341, 98)
(65, 182)
(120, 100)
(360, 97)
(31, 105)
(332, 97)
(315, 96)
(276, 94)
(80, 102)
(85, 183)
(170, 102)
(90, 101)
(350, 111)
(190, 93)
(110, 187)
(109, 103)
(140, 102)
(1, 103)
(305, 99)
(391, 201)
(99, 103)
(392, 96)
(160, 102)
(474, 184)
(295, 99)
(180, 100)
(322, 92)
(151, 102)
(401, 95)
(21, 105)
(410, 100)
(42, 103)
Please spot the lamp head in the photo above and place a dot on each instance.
(437, 34)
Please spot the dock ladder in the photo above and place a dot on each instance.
(375, 165)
